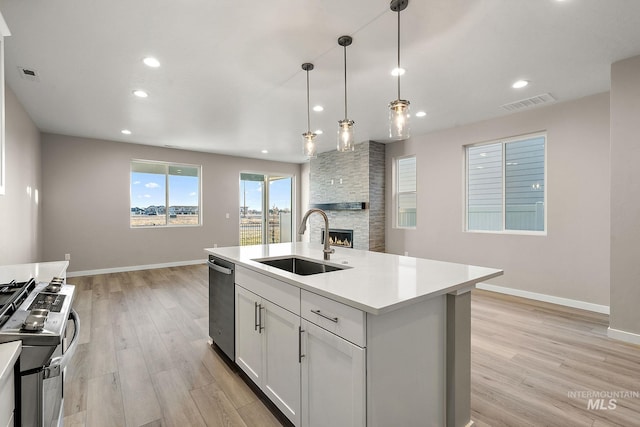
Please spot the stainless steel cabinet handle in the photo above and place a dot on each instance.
(260, 325)
(255, 317)
(300, 355)
(319, 313)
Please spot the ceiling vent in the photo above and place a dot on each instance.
(29, 74)
(534, 101)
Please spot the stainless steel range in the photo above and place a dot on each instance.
(38, 314)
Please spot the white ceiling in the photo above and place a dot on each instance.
(231, 80)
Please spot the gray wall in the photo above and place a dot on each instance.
(20, 212)
(625, 195)
(572, 261)
(86, 203)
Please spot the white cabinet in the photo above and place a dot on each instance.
(281, 367)
(333, 379)
(267, 342)
(248, 335)
(9, 353)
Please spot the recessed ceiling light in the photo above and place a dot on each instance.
(421, 114)
(483, 154)
(520, 84)
(398, 72)
(140, 93)
(319, 132)
(265, 151)
(318, 108)
(151, 62)
(126, 131)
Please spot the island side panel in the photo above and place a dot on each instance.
(459, 359)
(406, 365)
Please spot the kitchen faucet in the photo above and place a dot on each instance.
(303, 226)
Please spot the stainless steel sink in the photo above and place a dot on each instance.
(301, 266)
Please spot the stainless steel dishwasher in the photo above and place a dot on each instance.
(222, 305)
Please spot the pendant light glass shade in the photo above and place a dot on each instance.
(309, 145)
(346, 139)
(399, 119)
(345, 135)
(308, 138)
(399, 109)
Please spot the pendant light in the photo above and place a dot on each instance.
(399, 109)
(308, 138)
(345, 130)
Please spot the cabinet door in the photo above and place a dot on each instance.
(281, 367)
(333, 379)
(248, 333)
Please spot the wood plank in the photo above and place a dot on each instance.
(216, 408)
(178, 408)
(140, 402)
(104, 402)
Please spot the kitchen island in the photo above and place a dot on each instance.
(384, 340)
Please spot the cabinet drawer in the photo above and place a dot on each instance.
(342, 320)
(280, 293)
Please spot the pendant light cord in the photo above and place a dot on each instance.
(398, 69)
(345, 83)
(308, 113)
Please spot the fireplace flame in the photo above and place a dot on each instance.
(339, 242)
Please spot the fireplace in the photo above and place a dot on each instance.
(339, 237)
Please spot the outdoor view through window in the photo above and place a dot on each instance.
(265, 209)
(156, 185)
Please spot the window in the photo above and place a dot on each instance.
(406, 196)
(156, 185)
(506, 185)
(265, 209)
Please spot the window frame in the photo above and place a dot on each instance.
(397, 193)
(504, 142)
(167, 166)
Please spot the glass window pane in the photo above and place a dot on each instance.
(406, 174)
(524, 184)
(279, 226)
(148, 195)
(484, 187)
(407, 210)
(251, 219)
(184, 195)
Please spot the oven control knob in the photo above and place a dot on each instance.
(35, 320)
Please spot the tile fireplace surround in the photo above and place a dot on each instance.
(351, 177)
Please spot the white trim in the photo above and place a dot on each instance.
(583, 305)
(625, 336)
(135, 268)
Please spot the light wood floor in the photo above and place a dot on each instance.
(143, 360)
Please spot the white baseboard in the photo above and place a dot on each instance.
(134, 268)
(625, 336)
(604, 309)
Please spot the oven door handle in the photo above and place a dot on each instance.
(57, 364)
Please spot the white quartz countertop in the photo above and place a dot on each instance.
(376, 283)
(41, 271)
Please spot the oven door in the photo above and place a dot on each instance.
(42, 394)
